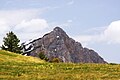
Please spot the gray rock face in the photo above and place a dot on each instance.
(57, 44)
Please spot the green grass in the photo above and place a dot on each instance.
(17, 67)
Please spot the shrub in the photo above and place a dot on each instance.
(46, 59)
(112, 63)
(55, 60)
(42, 56)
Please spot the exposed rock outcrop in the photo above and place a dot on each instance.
(57, 44)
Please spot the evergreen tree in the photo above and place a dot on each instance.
(11, 43)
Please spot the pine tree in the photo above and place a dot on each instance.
(11, 43)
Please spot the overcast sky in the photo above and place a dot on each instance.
(94, 23)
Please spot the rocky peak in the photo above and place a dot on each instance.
(58, 29)
(57, 44)
(59, 32)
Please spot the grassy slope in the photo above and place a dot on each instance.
(17, 67)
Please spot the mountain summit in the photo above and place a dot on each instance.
(57, 44)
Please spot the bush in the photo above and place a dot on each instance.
(55, 60)
(46, 59)
(42, 56)
(112, 63)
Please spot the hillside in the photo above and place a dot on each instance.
(17, 67)
(6, 56)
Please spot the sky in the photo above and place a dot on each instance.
(94, 23)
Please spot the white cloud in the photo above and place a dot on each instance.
(96, 30)
(13, 17)
(3, 26)
(33, 25)
(84, 39)
(23, 21)
(110, 35)
(31, 29)
(25, 36)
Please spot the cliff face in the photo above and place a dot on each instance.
(57, 44)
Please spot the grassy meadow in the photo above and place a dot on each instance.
(17, 67)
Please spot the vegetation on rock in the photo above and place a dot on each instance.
(55, 60)
(42, 56)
